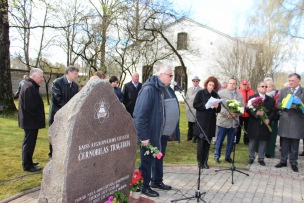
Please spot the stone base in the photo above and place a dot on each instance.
(140, 200)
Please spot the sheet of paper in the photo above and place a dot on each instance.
(212, 101)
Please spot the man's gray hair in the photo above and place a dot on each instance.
(268, 79)
(71, 69)
(294, 74)
(34, 71)
(162, 68)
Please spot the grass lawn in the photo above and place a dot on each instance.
(14, 180)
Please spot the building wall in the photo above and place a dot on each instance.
(17, 76)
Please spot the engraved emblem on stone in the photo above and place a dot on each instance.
(101, 111)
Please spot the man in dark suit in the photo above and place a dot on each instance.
(291, 124)
(31, 117)
(130, 92)
(257, 129)
(63, 89)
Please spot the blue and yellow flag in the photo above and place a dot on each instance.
(290, 100)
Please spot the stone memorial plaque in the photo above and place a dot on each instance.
(94, 148)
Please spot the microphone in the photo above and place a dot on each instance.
(217, 95)
(177, 86)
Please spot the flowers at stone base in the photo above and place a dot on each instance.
(154, 151)
(137, 181)
(257, 104)
(235, 106)
(118, 197)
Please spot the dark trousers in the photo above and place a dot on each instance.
(190, 130)
(290, 147)
(243, 122)
(51, 151)
(28, 147)
(203, 148)
(152, 168)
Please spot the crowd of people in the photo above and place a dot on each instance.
(155, 109)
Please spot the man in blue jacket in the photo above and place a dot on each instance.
(156, 117)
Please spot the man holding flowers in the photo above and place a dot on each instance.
(156, 119)
(291, 121)
(261, 109)
(226, 124)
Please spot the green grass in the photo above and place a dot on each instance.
(14, 180)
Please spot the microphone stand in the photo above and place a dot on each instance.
(202, 136)
(232, 168)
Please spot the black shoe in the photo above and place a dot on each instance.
(205, 165)
(149, 192)
(33, 169)
(301, 154)
(161, 186)
(250, 161)
(189, 139)
(262, 163)
(35, 163)
(294, 168)
(280, 165)
(228, 160)
(194, 141)
(267, 156)
(217, 160)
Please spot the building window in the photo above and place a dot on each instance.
(147, 71)
(182, 41)
(179, 77)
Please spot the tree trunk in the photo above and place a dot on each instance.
(6, 93)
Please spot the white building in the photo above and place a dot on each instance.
(199, 47)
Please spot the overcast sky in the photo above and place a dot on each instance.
(227, 16)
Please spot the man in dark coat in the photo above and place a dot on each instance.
(291, 124)
(257, 129)
(63, 89)
(31, 117)
(130, 92)
(156, 119)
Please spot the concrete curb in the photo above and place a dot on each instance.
(20, 195)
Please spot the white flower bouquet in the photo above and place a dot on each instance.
(235, 106)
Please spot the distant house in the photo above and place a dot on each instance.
(199, 47)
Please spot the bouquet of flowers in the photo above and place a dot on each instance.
(137, 181)
(292, 101)
(154, 151)
(235, 106)
(257, 104)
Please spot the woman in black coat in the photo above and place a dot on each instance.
(206, 119)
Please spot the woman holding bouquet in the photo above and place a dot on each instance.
(261, 109)
(206, 119)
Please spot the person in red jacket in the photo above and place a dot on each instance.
(244, 118)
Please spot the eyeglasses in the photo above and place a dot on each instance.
(244, 84)
(195, 80)
(263, 86)
(169, 75)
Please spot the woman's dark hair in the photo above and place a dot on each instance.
(212, 79)
(113, 79)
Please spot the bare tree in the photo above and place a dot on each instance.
(6, 93)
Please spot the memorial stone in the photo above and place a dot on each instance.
(94, 148)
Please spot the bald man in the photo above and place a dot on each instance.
(130, 92)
